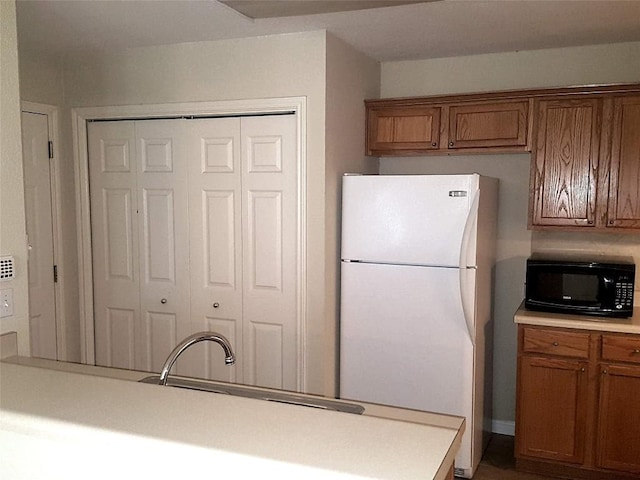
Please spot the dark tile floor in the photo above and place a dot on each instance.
(498, 462)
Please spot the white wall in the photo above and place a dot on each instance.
(12, 216)
(41, 78)
(351, 78)
(601, 64)
(558, 67)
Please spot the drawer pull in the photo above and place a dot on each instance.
(555, 344)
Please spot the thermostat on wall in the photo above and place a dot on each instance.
(7, 268)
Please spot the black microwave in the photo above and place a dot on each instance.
(596, 286)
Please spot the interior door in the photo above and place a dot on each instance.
(195, 227)
(163, 226)
(215, 232)
(114, 234)
(39, 220)
(270, 251)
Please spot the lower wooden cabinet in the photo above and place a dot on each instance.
(577, 411)
(554, 390)
(618, 444)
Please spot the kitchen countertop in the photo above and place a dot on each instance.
(583, 322)
(76, 415)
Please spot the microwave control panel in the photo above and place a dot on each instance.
(624, 294)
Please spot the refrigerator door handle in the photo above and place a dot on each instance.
(467, 300)
(466, 271)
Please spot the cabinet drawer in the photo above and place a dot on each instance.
(621, 348)
(567, 344)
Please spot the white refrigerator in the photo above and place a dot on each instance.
(418, 253)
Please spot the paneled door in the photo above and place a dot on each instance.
(195, 227)
(114, 234)
(140, 248)
(38, 206)
(243, 230)
(215, 235)
(269, 245)
(164, 242)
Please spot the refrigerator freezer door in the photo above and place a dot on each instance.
(407, 219)
(404, 341)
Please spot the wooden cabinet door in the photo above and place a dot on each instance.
(624, 191)
(403, 130)
(618, 445)
(501, 124)
(565, 163)
(552, 409)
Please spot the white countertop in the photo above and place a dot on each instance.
(77, 418)
(583, 322)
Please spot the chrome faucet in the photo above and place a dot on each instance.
(229, 358)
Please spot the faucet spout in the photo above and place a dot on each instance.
(229, 358)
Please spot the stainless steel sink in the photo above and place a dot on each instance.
(260, 394)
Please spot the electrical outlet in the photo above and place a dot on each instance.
(6, 302)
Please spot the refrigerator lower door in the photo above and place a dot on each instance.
(405, 342)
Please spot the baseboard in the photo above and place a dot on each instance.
(503, 428)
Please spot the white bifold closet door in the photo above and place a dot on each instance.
(140, 253)
(195, 228)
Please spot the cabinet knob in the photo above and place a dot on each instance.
(163, 301)
(590, 222)
(605, 371)
(434, 144)
(611, 222)
(451, 144)
(582, 369)
(636, 351)
(216, 305)
(555, 344)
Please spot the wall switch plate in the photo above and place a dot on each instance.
(6, 302)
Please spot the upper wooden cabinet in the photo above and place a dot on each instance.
(403, 130)
(584, 144)
(624, 193)
(565, 162)
(502, 124)
(585, 166)
(397, 128)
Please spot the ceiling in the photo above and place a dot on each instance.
(433, 29)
